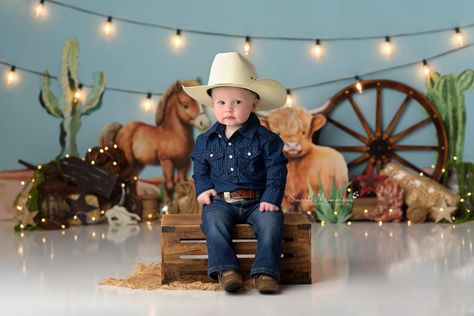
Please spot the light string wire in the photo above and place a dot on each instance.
(283, 38)
(322, 83)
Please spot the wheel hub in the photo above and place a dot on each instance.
(379, 148)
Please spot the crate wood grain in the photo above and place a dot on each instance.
(184, 249)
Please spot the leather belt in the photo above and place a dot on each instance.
(239, 195)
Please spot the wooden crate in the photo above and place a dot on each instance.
(184, 249)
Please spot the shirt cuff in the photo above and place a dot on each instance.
(272, 196)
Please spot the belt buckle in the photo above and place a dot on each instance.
(228, 199)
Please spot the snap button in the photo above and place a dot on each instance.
(249, 154)
(230, 156)
(232, 169)
(211, 155)
(229, 143)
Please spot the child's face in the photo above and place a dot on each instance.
(232, 106)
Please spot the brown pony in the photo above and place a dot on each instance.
(168, 144)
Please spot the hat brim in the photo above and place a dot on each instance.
(271, 93)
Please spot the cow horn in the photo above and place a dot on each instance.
(321, 109)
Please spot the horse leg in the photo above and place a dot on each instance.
(168, 175)
(181, 173)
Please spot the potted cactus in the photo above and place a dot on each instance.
(69, 108)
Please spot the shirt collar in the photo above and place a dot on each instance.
(247, 130)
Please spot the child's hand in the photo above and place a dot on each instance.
(205, 197)
(264, 206)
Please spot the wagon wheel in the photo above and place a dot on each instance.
(380, 146)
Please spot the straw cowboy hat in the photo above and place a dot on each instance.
(234, 70)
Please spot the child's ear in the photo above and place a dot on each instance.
(255, 104)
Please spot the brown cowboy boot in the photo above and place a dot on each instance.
(266, 284)
(230, 280)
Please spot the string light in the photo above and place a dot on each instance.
(78, 94)
(314, 85)
(358, 85)
(108, 27)
(317, 50)
(459, 38)
(387, 47)
(178, 39)
(247, 46)
(11, 76)
(39, 9)
(147, 103)
(289, 98)
(426, 68)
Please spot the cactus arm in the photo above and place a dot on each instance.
(68, 74)
(47, 99)
(94, 99)
(465, 80)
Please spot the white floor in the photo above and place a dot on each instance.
(363, 269)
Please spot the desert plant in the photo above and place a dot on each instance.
(69, 108)
(447, 95)
(336, 209)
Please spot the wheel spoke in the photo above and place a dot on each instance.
(405, 162)
(379, 166)
(403, 133)
(378, 113)
(361, 117)
(414, 147)
(396, 118)
(348, 130)
(358, 160)
(350, 148)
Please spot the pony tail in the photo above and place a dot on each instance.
(108, 133)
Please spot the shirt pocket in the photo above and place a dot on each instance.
(215, 156)
(251, 163)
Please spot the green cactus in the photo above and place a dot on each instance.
(447, 95)
(70, 109)
(337, 209)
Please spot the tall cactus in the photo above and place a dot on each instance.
(447, 95)
(70, 109)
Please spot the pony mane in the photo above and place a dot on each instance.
(174, 88)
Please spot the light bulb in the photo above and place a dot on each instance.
(108, 27)
(459, 38)
(78, 94)
(426, 68)
(358, 85)
(11, 77)
(387, 47)
(178, 40)
(317, 50)
(147, 103)
(289, 99)
(247, 46)
(39, 9)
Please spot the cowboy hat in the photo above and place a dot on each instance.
(234, 70)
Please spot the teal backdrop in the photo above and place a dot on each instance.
(141, 58)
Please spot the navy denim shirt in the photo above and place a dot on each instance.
(251, 159)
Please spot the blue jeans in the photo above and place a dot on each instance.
(218, 220)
